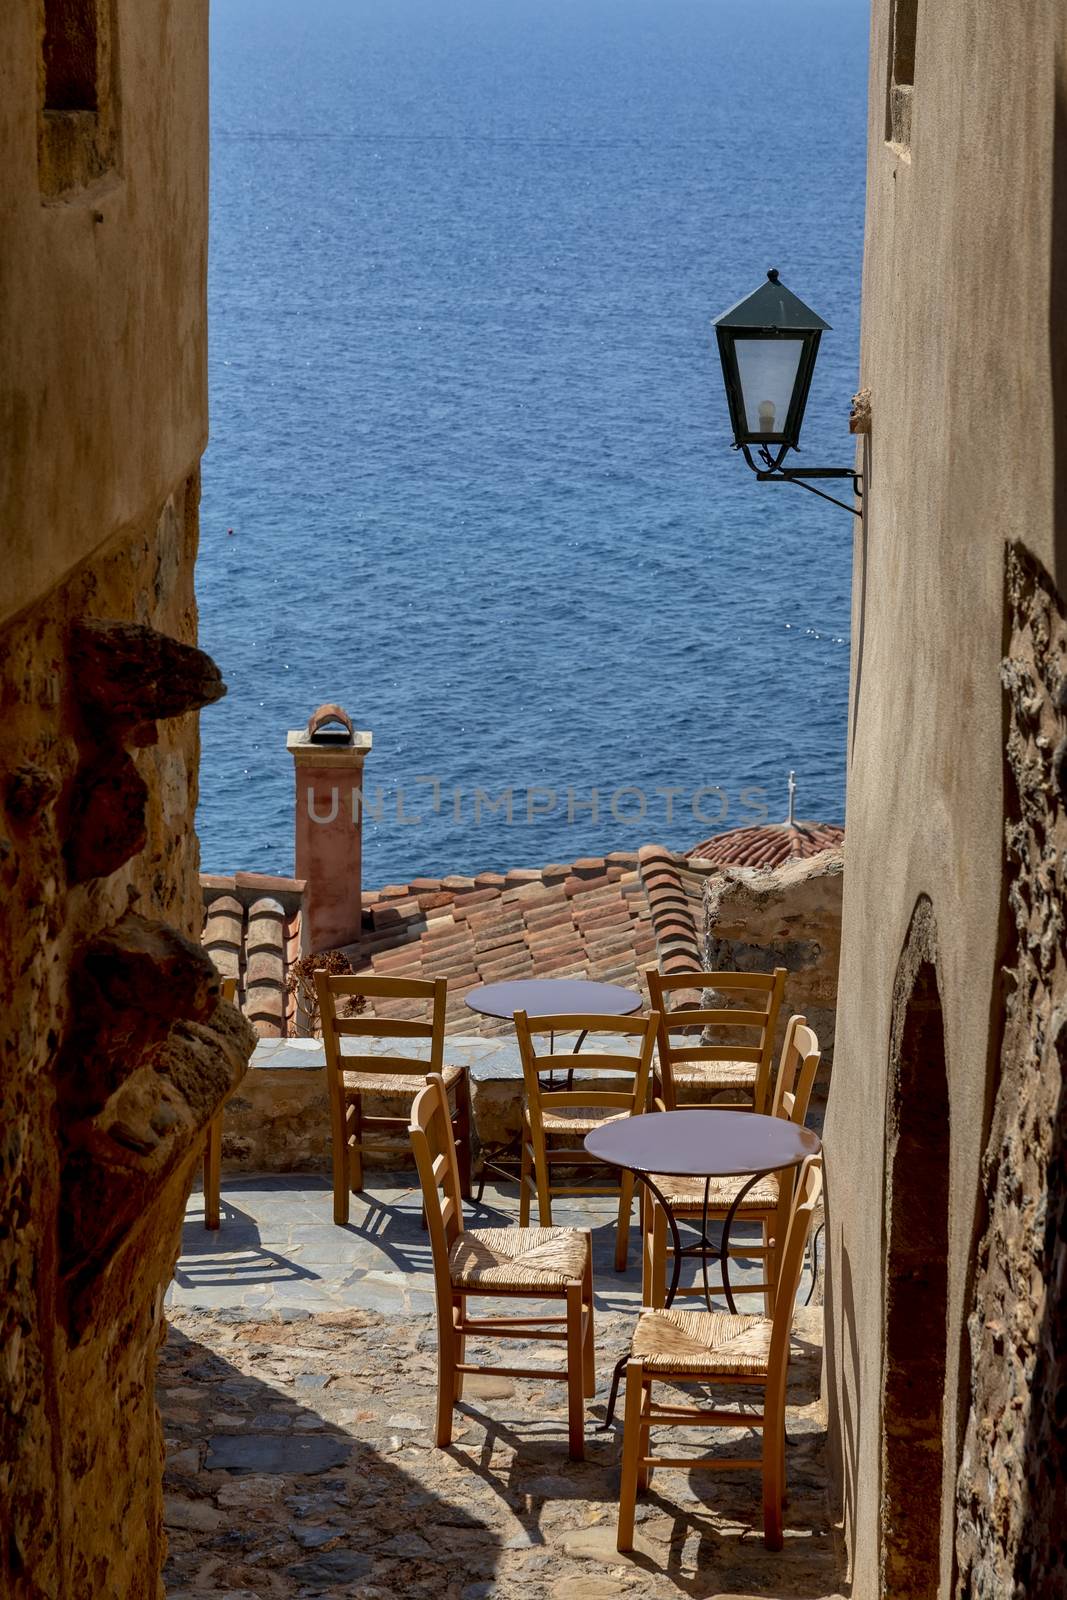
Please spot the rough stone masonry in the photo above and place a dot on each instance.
(116, 1050)
(1011, 1532)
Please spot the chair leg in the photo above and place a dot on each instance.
(773, 1475)
(575, 1373)
(622, 1231)
(340, 1166)
(631, 1454)
(589, 1346)
(524, 1185)
(644, 1473)
(657, 1250)
(460, 1343)
(463, 1134)
(213, 1172)
(355, 1153)
(446, 1386)
(544, 1191)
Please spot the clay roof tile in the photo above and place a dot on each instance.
(769, 844)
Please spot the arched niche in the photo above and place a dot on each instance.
(916, 1273)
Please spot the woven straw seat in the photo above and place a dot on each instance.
(578, 1121)
(717, 1076)
(518, 1258)
(685, 1196)
(708, 1343)
(396, 1082)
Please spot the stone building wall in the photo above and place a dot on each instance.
(790, 917)
(114, 1049)
(944, 1064)
(1011, 1531)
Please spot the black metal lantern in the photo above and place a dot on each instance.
(768, 343)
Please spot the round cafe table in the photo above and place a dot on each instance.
(700, 1144)
(549, 997)
(703, 1144)
(546, 997)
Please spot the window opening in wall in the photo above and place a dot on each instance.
(900, 85)
(70, 55)
(78, 121)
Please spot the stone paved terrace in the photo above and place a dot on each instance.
(297, 1388)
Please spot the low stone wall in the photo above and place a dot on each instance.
(788, 917)
(279, 1118)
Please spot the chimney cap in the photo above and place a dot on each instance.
(328, 739)
(323, 725)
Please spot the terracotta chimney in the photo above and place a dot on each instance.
(328, 759)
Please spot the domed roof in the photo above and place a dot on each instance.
(770, 844)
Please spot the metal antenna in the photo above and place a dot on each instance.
(792, 799)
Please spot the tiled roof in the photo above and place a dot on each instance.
(252, 933)
(770, 845)
(603, 918)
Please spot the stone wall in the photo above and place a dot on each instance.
(1011, 1531)
(279, 1119)
(115, 1049)
(786, 917)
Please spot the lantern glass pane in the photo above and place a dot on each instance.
(768, 371)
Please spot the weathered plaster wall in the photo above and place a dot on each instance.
(103, 361)
(115, 1049)
(790, 917)
(963, 349)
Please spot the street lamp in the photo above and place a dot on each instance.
(768, 343)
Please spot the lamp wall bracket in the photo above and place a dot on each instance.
(772, 471)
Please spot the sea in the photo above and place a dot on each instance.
(469, 472)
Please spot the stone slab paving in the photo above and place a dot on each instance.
(297, 1388)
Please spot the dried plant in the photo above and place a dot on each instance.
(301, 984)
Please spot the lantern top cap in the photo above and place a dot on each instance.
(772, 306)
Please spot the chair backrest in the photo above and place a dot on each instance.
(753, 1023)
(434, 1147)
(806, 1197)
(332, 988)
(797, 1066)
(636, 1066)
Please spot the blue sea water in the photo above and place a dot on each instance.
(468, 428)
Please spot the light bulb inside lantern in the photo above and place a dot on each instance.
(766, 416)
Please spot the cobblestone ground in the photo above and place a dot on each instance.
(300, 1457)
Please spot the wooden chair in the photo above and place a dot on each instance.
(553, 1113)
(350, 1077)
(498, 1263)
(766, 1204)
(738, 1063)
(715, 1349)
(213, 1144)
